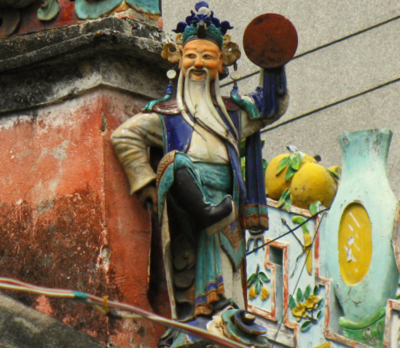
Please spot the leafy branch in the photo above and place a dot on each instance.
(256, 284)
(305, 305)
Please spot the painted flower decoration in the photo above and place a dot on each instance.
(307, 306)
(312, 302)
(299, 311)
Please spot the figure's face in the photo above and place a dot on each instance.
(201, 54)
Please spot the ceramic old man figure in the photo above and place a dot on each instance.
(198, 188)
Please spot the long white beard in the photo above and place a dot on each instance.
(195, 97)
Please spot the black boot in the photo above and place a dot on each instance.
(207, 216)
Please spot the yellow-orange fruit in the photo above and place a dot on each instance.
(276, 184)
(310, 184)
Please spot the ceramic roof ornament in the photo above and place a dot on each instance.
(203, 202)
(11, 16)
(360, 224)
(93, 9)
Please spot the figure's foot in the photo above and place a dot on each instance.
(221, 216)
(224, 304)
(190, 197)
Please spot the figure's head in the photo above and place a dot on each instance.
(202, 43)
(201, 55)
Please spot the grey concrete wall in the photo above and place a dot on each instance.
(345, 75)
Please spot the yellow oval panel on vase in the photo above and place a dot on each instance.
(355, 244)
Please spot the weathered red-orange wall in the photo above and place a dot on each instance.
(66, 216)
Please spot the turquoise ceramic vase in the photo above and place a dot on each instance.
(358, 236)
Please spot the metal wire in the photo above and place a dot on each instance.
(286, 233)
(106, 307)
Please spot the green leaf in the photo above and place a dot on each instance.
(265, 165)
(298, 219)
(305, 229)
(334, 174)
(299, 295)
(319, 315)
(292, 302)
(289, 173)
(250, 281)
(320, 303)
(258, 286)
(397, 297)
(258, 268)
(262, 143)
(316, 290)
(282, 200)
(283, 163)
(305, 326)
(307, 293)
(314, 207)
(263, 277)
(295, 161)
(288, 202)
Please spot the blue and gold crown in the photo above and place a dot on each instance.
(203, 25)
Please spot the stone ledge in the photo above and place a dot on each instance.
(107, 34)
(54, 82)
(23, 327)
(60, 64)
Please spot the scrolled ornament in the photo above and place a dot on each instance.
(230, 52)
(171, 53)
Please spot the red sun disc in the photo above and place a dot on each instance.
(270, 40)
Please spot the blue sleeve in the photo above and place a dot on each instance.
(266, 98)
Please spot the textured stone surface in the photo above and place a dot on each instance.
(22, 327)
(103, 35)
(60, 64)
(54, 82)
(67, 218)
(66, 211)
